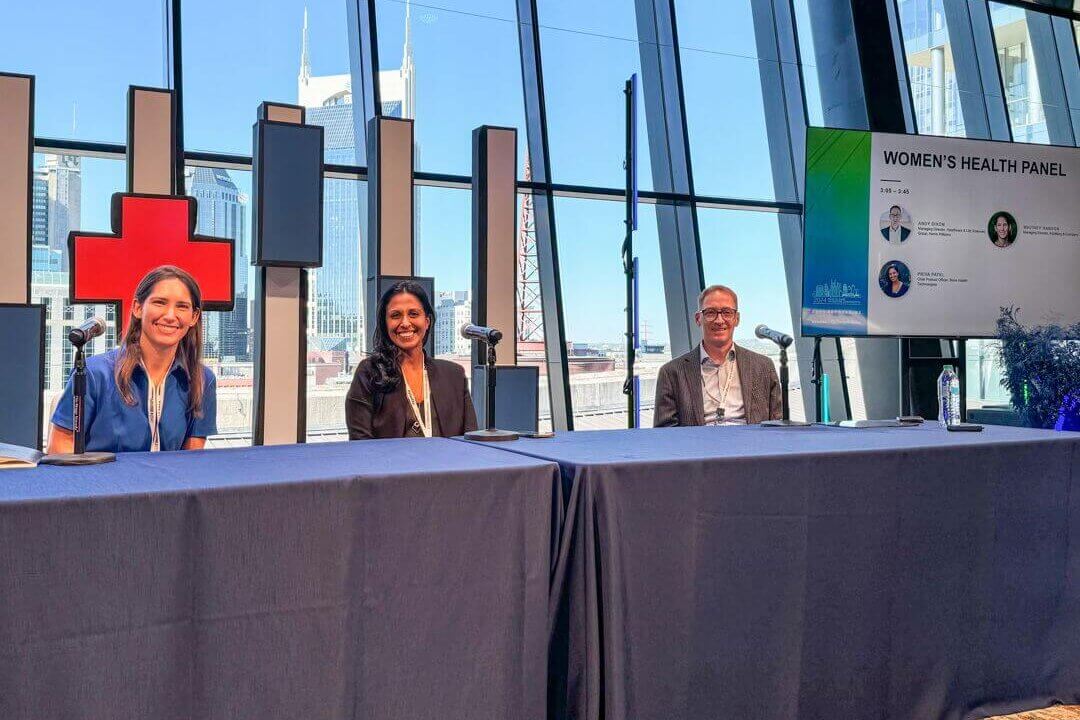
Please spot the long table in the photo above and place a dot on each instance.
(383, 579)
(749, 572)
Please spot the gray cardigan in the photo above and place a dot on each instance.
(678, 389)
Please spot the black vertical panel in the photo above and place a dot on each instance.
(480, 238)
(22, 365)
(287, 194)
(177, 86)
(562, 414)
(880, 74)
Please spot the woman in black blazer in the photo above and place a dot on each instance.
(400, 392)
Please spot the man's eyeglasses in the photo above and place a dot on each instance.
(710, 314)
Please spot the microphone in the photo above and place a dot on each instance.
(777, 337)
(87, 331)
(479, 332)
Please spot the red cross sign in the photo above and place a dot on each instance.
(148, 231)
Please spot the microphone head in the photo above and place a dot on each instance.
(766, 333)
(87, 331)
(481, 333)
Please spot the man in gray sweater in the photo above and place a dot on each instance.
(718, 382)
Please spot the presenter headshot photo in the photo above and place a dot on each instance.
(896, 224)
(153, 392)
(718, 382)
(398, 391)
(1002, 229)
(894, 279)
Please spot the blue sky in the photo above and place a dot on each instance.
(238, 53)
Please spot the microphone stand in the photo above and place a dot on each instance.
(785, 412)
(78, 426)
(491, 433)
(630, 386)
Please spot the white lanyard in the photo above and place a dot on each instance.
(155, 403)
(729, 368)
(425, 421)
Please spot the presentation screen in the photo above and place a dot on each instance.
(929, 236)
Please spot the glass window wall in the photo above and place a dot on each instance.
(336, 329)
(591, 234)
(451, 68)
(589, 50)
(741, 249)
(444, 247)
(1019, 74)
(725, 112)
(811, 84)
(930, 67)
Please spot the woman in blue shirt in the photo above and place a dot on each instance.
(152, 392)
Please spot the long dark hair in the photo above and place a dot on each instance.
(189, 352)
(384, 353)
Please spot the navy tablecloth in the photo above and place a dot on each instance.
(747, 572)
(383, 579)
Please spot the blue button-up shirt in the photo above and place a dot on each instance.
(113, 425)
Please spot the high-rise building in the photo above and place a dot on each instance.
(336, 291)
(39, 212)
(932, 72)
(63, 181)
(452, 310)
(50, 288)
(221, 208)
(56, 210)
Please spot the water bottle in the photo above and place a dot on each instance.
(948, 392)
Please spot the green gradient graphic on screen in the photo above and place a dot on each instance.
(835, 242)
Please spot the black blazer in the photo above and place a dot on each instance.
(904, 232)
(393, 416)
